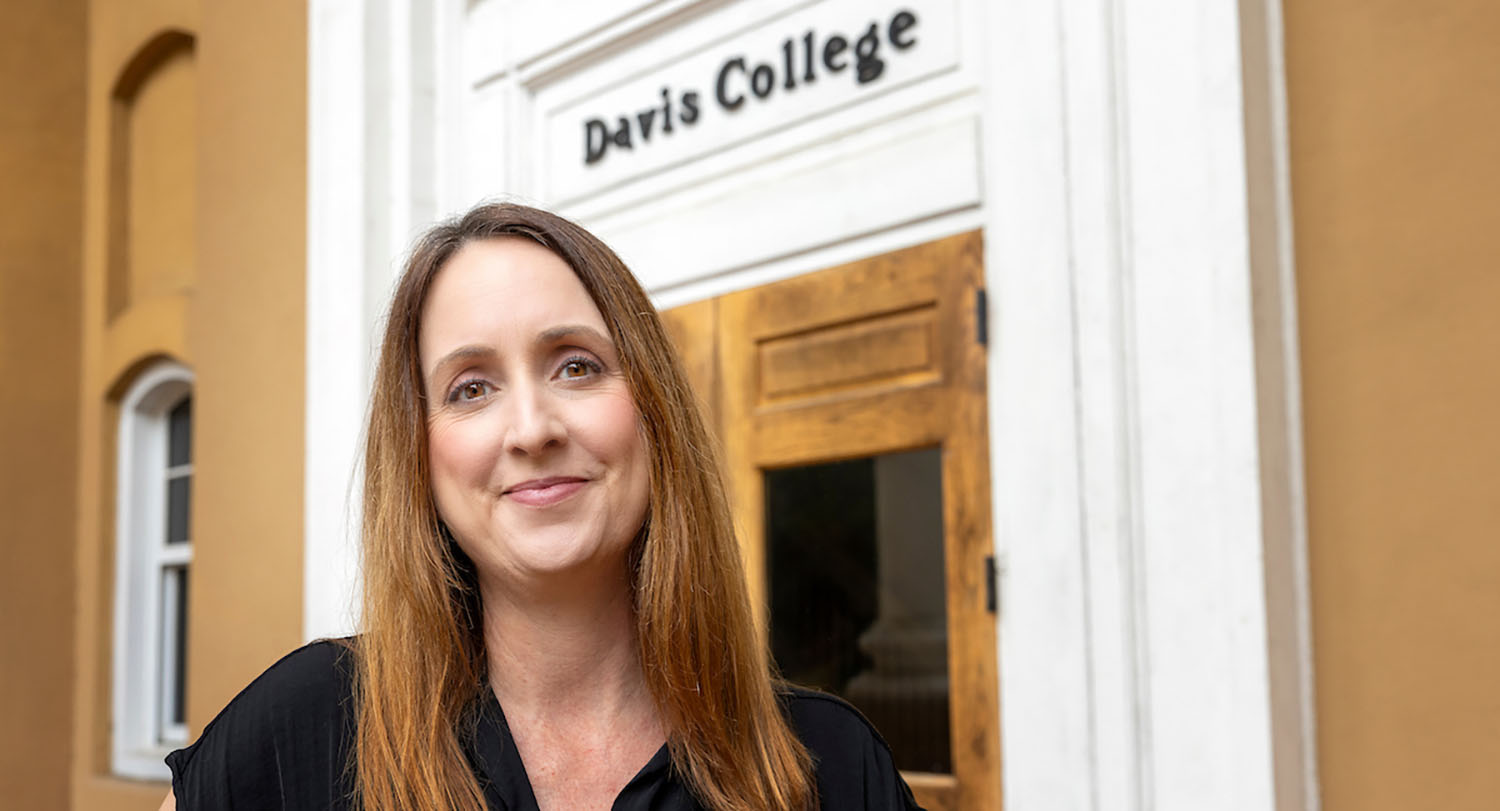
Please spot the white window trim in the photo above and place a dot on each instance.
(138, 626)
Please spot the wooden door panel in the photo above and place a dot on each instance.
(848, 293)
(850, 358)
(888, 422)
(934, 792)
(694, 330)
(872, 358)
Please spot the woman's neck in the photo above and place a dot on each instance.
(565, 651)
(564, 665)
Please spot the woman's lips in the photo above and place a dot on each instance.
(545, 492)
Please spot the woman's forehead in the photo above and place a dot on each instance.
(506, 290)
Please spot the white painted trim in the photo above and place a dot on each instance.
(1105, 322)
(556, 42)
(141, 459)
(1279, 390)
(1145, 441)
(337, 335)
(173, 731)
(373, 184)
(826, 256)
(895, 175)
(1045, 679)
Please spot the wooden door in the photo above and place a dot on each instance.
(878, 364)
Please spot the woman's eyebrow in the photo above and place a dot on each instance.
(547, 336)
(554, 334)
(463, 353)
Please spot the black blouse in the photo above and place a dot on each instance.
(284, 743)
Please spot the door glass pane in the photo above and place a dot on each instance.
(858, 608)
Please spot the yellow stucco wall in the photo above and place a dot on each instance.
(246, 330)
(41, 144)
(193, 248)
(121, 333)
(158, 139)
(1394, 110)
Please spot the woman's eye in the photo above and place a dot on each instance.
(577, 368)
(470, 390)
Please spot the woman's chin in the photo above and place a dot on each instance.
(512, 557)
(563, 561)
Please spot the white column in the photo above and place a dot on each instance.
(372, 184)
(1144, 439)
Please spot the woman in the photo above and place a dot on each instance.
(545, 530)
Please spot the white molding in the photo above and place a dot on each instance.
(628, 74)
(1108, 401)
(377, 175)
(903, 173)
(897, 159)
(1279, 398)
(826, 256)
(1147, 506)
(901, 111)
(337, 336)
(141, 459)
(1202, 654)
(544, 37)
(1047, 707)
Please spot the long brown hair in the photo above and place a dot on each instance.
(421, 662)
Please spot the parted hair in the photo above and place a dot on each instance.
(421, 660)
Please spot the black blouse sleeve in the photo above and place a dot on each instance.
(282, 743)
(854, 765)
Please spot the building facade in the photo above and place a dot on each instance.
(1105, 388)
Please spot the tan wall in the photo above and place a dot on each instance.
(205, 265)
(246, 330)
(41, 146)
(159, 143)
(1394, 112)
(120, 334)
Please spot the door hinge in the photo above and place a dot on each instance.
(991, 586)
(981, 317)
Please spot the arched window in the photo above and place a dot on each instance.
(153, 554)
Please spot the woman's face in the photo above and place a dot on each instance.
(538, 464)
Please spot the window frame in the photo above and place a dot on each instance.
(141, 734)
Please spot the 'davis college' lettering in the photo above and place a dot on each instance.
(802, 61)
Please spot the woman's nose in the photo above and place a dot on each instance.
(533, 424)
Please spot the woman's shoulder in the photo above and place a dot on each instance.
(820, 717)
(315, 677)
(284, 736)
(852, 762)
(323, 664)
